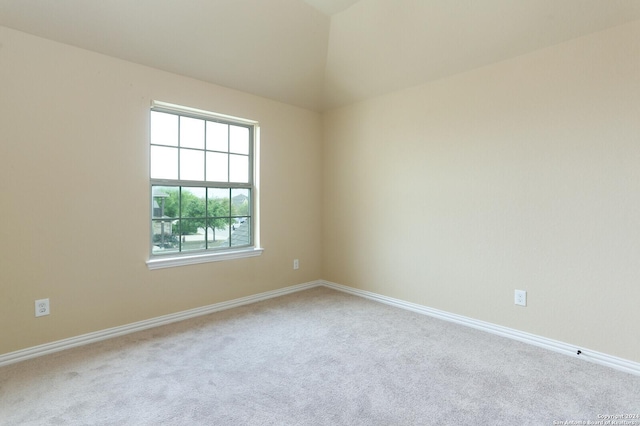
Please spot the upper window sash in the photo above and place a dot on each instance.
(229, 158)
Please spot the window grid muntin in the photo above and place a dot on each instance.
(229, 185)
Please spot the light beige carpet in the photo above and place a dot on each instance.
(317, 357)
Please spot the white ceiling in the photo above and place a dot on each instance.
(317, 54)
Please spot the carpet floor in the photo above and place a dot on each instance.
(316, 357)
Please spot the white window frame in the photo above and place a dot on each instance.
(157, 261)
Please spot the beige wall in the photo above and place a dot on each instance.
(523, 174)
(520, 175)
(74, 194)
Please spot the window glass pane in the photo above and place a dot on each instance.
(240, 202)
(191, 133)
(239, 168)
(218, 202)
(220, 233)
(191, 164)
(217, 167)
(164, 128)
(164, 162)
(192, 234)
(166, 202)
(164, 239)
(240, 232)
(217, 136)
(192, 204)
(239, 140)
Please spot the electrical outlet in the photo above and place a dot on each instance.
(42, 307)
(521, 297)
(296, 264)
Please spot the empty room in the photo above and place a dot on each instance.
(320, 212)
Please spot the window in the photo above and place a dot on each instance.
(203, 191)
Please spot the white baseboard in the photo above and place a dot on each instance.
(85, 339)
(543, 342)
(521, 336)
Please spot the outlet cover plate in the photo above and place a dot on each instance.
(520, 297)
(42, 307)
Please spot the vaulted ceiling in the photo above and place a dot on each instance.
(317, 54)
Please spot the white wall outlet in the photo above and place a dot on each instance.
(296, 264)
(521, 297)
(42, 307)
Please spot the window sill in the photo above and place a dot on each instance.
(172, 261)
